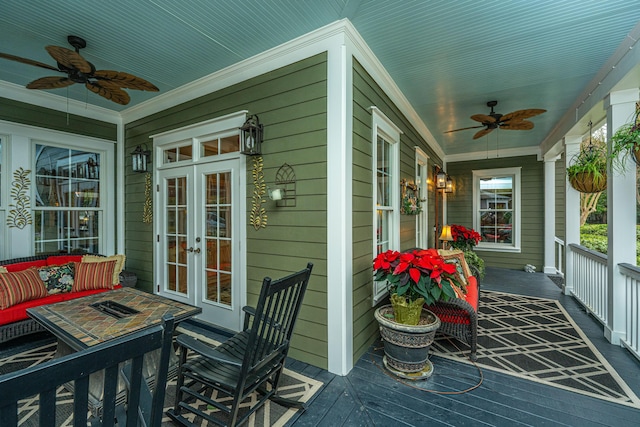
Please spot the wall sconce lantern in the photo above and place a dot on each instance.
(93, 168)
(140, 159)
(251, 137)
(448, 186)
(441, 179)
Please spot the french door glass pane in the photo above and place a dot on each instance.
(218, 238)
(176, 238)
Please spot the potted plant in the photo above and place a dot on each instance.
(588, 170)
(414, 279)
(465, 239)
(624, 142)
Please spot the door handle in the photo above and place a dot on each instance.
(190, 249)
(196, 250)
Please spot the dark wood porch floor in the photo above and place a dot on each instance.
(368, 397)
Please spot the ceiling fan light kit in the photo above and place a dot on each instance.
(106, 83)
(510, 121)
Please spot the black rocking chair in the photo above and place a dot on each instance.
(141, 409)
(251, 360)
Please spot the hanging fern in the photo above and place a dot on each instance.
(19, 212)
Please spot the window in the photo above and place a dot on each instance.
(386, 189)
(497, 208)
(68, 212)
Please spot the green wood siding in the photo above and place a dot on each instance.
(366, 93)
(33, 115)
(292, 104)
(460, 208)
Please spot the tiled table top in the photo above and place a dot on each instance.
(80, 325)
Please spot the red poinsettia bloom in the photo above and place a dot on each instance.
(418, 273)
(464, 238)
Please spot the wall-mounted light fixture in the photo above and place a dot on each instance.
(441, 178)
(448, 186)
(140, 159)
(93, 168)
(276, 194)
(443, 182)
(251, 136)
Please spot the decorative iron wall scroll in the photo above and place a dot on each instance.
(286, 180)
(147, 210)
(19, 212)
(258, 216)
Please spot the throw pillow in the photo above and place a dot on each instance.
(93, 275)
(118, 268)
(57, 278)
(3, 269)
(20, 286)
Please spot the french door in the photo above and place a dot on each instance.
(198, 239)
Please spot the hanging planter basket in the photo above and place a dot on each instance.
(585, 182)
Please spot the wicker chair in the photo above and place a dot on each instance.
(459, 317)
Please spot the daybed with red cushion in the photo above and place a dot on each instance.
(14, 321)
(459, 317)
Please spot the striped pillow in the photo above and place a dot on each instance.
(120, 259)
(20, 286)
(93, 275)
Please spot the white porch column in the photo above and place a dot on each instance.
(550, 217)
(339, 209)
(572, 212)
(621, 216)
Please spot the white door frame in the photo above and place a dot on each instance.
(422, 180)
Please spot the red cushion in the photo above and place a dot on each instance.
(19, 311)
(63, 259)
(472, 292)
(24, 265)
(459, 315)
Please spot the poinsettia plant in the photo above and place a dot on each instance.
(421, 273)
(464, 238)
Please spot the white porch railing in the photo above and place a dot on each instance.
(590, 280)
(632, 308)
(559, 249)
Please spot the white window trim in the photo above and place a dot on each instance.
(381, 125)
(20, 143)
(516, 172)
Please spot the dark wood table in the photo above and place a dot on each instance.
(84, 322)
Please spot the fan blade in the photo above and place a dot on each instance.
(522, 114)
(483, 118)
(50, 83)
(470, 127)
(69, 59)
(125, 80)
(518, 125)
(109, 91)
(27, 61)
(482, 133)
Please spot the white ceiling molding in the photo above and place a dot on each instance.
(57, 102)
(494, 154)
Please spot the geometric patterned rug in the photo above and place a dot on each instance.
(535, 339)
(292, 385)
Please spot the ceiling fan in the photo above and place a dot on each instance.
(105, 83)
(510, 121)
